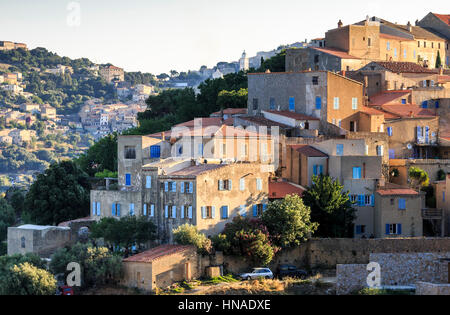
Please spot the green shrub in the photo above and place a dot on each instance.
(187, 234)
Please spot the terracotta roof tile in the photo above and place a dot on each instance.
(156, 253)
(371, 111)
(443, 17)
(397, 191)
(404, 67)
(408, 111)
(206, 121)
(261, 121)
(308, 150)
(388, 97)
(279, 190)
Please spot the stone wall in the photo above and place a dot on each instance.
(350, 278)
(426, 288)
(327, 253)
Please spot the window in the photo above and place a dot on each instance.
(393, 229)
(224, 148)
(424, 44)
(166, 211)
(395, 52)
(389, 131)
(316, 58)
(174, 187)
(258, 184)
(317, 170)
(190, 189)
(148, 182)
(340, 123)
(272, 103)
(353, 126)
(200, 149)
(127, 179)
(225, 184)
(404, 53)
(255, 104)
(257, 210)
(357, 173)
(242, 184)
(336, 103)
(242, 211)
(292, 104)
(391, 154)
(130, 153)
(315, 80)
(174, 212)
(353, 198)
(318, 102)
(354, 103)
(401, 204)
(208, 212)
(244, 150)
(166, 186)
(224, 212)
(190, 212)
(414, 53)
(179, 149)
(155, 151)
(22, 242)
(403, 100)
(418, 44)
(380, 150)
(369, 41)
(340, 149)
(131, 208)
(368, 200)
(360, 229)
(115, 210)
(436, 104)
(388, 46)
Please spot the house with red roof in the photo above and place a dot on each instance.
(438, 24)
(160, 267)
(398, 212)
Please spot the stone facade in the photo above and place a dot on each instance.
(40, 240)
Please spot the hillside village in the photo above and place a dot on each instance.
(366, 106)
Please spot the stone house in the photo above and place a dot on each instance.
(439, 24)
(398, 212)
(328, 96)
(112, 73)
(160, 267)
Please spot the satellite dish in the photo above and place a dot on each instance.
(409, 146)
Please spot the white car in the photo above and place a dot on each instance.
(257, 273)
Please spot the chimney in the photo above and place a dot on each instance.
(343, 73)
(417, 22)
(340, 24)
(441, 70)
(267, 71)
(163, 136)
(411, 114)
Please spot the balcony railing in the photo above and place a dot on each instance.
(432, 213)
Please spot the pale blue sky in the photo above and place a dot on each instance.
(159, 35)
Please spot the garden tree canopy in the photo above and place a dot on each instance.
(232, 99)
(97, 263)
(419, 178)
(7, 218)
(26, 279)
(101, 156)
(187, 234)
(438, 60)
(289, 221)
(330, 207)
(275, 64)
(60, 194)
(124, 232)
(248, 238)
(16, 198)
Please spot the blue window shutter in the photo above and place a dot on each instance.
(255, 210)
(128, 179)
(424, 104)
(320, 169)
(399, 229)
(315, 169)
(419, 132)
(148, 182)
(174, 186)
(292, 104)
(174, 211)
(389, 130)
(339, 149)
(372, 200)
(98, 208)
(182, 187)
(361, 200)
(213, 212)
(155, 151)
(436, 104)
(191, 187)
(166, 211)
(166, 186)
(182, 212)
(190, 212)
(318, 102)
(145, 209)
(358, 229)
(118, 209)
(391, 154)
(403, 101)
(152, 210)
(427, 134)
(387, 229)
(94, 208)
(264, 207)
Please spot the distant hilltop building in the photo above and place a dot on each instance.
(5, 45)
(112, 73)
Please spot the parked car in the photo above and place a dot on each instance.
(291, 271)
(66, 290)
(257, 273)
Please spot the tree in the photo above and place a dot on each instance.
(247, 238)
(101, 156)
(232, 99)
(98, 265)
(26, 279)
(125, 232)
(438, 60)
(7, 218)
(330, 207)
(419, 178)
(275, 64)
(289, 221)
(187, 234)
(60, 194)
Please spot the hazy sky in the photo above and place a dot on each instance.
(159, 35)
